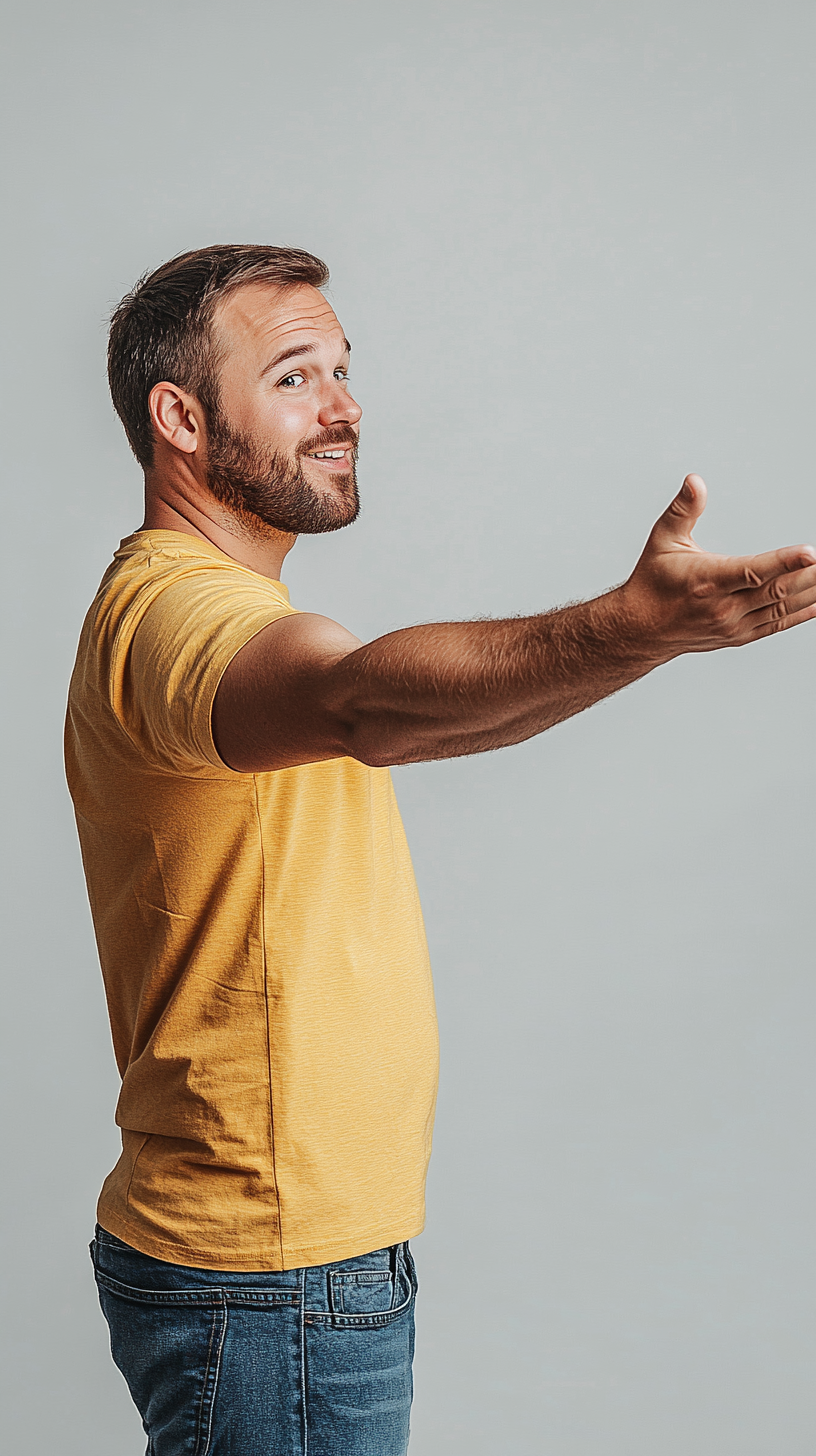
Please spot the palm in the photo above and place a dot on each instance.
(696, 600)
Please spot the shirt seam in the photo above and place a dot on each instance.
(262, 929)
(212, 759)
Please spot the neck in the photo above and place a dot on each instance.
(169, 509)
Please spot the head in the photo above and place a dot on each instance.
(230, 365)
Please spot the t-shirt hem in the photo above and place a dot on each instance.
(377, 1236)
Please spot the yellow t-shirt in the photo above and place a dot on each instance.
(261, 943)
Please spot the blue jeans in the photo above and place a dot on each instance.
(309, 1362)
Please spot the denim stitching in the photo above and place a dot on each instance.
(209, 1298)
(204, 1384)
(303, 1401)
(340, 1281)
(216, 1374)
(370, 1321)
(263, 1298)
(205, 1298)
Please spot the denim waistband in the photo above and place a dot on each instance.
(373, 1288)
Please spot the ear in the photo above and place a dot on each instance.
(176, 416)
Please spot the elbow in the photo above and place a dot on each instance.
(371, 743)
(369, 751)
(373, 758)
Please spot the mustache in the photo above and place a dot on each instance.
(329, 439)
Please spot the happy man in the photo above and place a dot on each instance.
(255, 908)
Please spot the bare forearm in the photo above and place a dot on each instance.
(447, 689)
(304, 689)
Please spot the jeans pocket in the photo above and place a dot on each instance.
(360, 1298)
(168, 1347)
(361, 1291)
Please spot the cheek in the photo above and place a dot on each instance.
(278, 424)
(284, 421)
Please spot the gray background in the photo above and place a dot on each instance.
(573, 246)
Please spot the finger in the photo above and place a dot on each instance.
(679, 519)
(781, 624)
(784, 588)
(743, 573)
(786, 607)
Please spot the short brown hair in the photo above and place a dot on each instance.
(162, 329)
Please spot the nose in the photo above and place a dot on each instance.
(338, 407)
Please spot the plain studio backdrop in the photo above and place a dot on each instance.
(572, 244)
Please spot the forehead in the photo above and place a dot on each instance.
(259, 317)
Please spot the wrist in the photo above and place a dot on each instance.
(631, 627)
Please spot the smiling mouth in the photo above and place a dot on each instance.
(328, 454)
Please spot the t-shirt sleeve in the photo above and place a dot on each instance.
(172, 652)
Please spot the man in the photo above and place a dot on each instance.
(255, 909)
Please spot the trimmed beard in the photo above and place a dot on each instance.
(266, 488)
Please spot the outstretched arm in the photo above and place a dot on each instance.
(304, 689)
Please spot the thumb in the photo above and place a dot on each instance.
(679, 519)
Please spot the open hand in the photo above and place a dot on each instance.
(685, 599)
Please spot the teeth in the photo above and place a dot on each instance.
(328, 454)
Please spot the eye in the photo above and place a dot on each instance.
(341, 374)
(292, 381)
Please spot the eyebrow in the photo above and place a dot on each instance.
(295, 352)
